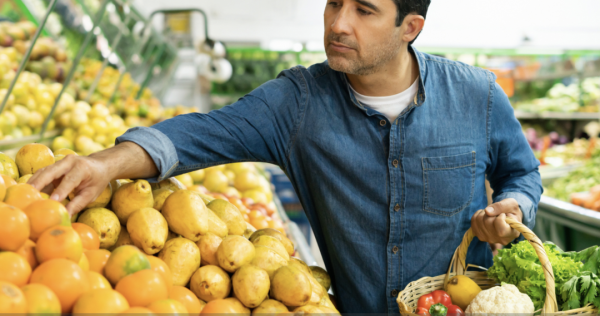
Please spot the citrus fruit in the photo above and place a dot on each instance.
(64, 152)
(143, 287)
(40, 299)
(89, 237)
(123, 261)
(21, 195)
(102, 301)
(215, 180)
(12, 300)
(24, 178)
(84, 264)
(27, 251)
(2, 189)
(220, 306)
(65, 278)
(14, 228)
(10, 167)
(97, 280)
(14, 268)
(187, 298)
(161, 267)
(8, 181)
(97, 259)
(33, 157)
(168, 307)
(44, 214)
(59, 242)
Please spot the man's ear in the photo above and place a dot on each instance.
(413, 25)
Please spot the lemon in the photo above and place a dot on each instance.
(26, 130)
(82, 105)
(45, 98)
(99, 111)
(83, 142)
(86, 130)
(78, 118)
(462, 290)
(246, 180)
(22, 114)
(256, 195)
(35, 119)
(185, 179)
(69, 134)
(215, 181)
(99, 125)
(198, 175)
(61, 142)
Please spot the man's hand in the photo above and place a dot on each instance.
(88, 176)
(490, 225)
(85, 176)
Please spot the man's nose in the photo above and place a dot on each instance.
(343, 22)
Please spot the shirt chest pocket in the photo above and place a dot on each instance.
(448, 183)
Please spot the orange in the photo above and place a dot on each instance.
(14, 268)
(168, 307)
(27, 251)
(124, 261)
(97, 259)
(59, 242)
(40, 299)
(161, 267)
(14, 228)
(8, 181)
(44, 214)
(219, 306)
(84, 264)
(140, 311)
(12, 300)
(89, 237)
(97, 280)
(143, 288)
(21, 195)
(65, 278)
(187, 298)
(101, 301)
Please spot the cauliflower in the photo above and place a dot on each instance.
(505, 300)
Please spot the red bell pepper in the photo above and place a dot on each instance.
(437, 297)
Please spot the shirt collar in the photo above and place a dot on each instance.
(419, 98)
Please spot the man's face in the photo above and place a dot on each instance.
(361, 36)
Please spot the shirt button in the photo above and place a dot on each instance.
(394, 293)
(397, 207)
(382, 122)
(395, 249)
(395, 162)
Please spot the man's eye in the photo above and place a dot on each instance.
(363, 12)
(333, 3)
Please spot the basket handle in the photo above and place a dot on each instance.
(458, 264)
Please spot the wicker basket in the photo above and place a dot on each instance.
(407, 299)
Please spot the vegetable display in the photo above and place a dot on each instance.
(579, 180)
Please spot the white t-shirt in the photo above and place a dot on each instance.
(390, 106)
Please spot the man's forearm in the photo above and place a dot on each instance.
(127, 160)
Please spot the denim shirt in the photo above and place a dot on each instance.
(389, 202)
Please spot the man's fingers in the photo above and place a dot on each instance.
(489, 227)
(69, 182)
(47, 175)
(479, 224)
(80, 201)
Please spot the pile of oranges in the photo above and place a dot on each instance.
(48, 265)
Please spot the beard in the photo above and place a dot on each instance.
(361, 62)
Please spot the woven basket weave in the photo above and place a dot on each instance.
(407, 299)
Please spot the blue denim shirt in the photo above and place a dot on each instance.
(389, 202)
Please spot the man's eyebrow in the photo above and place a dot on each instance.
(368, 5)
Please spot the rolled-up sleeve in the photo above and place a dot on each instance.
(513, 169)
(259, 127)
(157, 145)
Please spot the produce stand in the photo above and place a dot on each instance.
(570, 227)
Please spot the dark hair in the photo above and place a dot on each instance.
(406, 7)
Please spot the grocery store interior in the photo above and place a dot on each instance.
(77, 74)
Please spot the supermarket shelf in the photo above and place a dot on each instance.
(557, 115)
(20, 142)
(295, 235)
(568, 211)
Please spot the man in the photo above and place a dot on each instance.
(388, 149)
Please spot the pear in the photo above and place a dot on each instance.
(104, 222)
(271, 307)
(289, 246)
(182, 256)
(131, 197)
(291, 287)
(102, 200)
(186, 214)
(148, 230)
(309, 310)
(234, 252)
(208, 246)
(170, 183)
(251, 285)
(160, 195)
(249, 230)
(268, 259)
(321, 276)
(229, 214)
(273, 243)
(299, 264)
(236, 306)
(33, 157)
(216, 225)
(210, 283)
(124, 239)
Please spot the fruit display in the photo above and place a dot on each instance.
(574, 152)
(141, 247)
(561, 98)
(589, 200)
